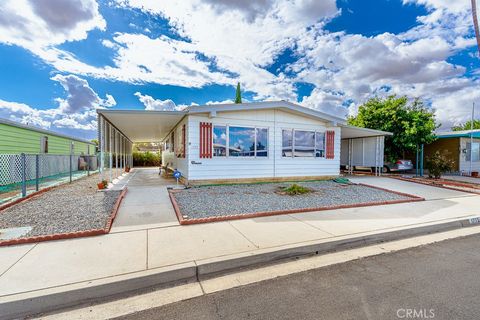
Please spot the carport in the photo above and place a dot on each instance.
(362, 147)
(119, 129)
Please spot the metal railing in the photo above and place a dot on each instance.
(24, 173)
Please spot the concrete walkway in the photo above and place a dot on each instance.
(146, 235)
(147, 204)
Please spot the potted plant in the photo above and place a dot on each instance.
(102, 184)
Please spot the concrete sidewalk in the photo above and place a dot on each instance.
(135, 249)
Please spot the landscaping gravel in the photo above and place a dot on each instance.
(211, 201)
(68, 208)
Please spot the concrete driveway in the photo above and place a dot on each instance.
(146, 204)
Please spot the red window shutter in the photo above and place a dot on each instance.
(205, 140)
(184, 150)
(330, 139)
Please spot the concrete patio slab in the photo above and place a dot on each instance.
(167, 246)
(58, 263)
(273, 231)
(10, 255)
(427, 192)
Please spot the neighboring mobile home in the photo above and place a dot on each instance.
(274, 140)
(456, 146)
(19, 138)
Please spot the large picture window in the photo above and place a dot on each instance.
(319, 144)
(302, 143)
(287, 143)
(219, 141)
(262, 142)
(236, 141)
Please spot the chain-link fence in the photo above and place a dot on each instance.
(21, 174)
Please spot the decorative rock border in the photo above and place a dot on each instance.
(69, 235)
(184, 221)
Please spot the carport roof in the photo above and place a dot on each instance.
(351, 132)
(152, 125)
(143, 125)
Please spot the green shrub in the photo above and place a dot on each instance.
(437, 164)
(146, 159)
(295, 189)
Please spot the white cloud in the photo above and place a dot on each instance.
(77, 111)
(238, 49)
(225, 41)
(37, 24)
(80, 96)
(157, 104)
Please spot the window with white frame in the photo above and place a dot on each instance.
(474, 150)
(237, 141)
(219, 141)
(303, 143)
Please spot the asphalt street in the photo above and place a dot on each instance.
(438, 281)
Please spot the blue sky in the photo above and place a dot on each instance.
(60, 60)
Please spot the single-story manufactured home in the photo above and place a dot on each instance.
(20, 138)
(456, 146)
(275, 140)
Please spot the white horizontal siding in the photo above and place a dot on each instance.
(272, 166)
(169, 158)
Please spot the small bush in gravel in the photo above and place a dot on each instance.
(295, 189)
(437, 164)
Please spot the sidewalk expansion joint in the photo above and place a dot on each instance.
(258, 247)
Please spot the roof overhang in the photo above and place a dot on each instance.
(282, 105)
(152, 126)
(143, 125)
(459, 134)
(351, 132)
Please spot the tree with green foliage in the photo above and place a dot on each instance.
(238, 94)
(411, 124)
(467, 125)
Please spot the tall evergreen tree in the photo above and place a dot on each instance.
(238, 94)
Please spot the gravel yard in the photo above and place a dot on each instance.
(226, 200)
(68, 208)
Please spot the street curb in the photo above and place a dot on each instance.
(35, 303)
(210, 267)
(41, 301)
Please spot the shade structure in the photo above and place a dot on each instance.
(142, 125)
